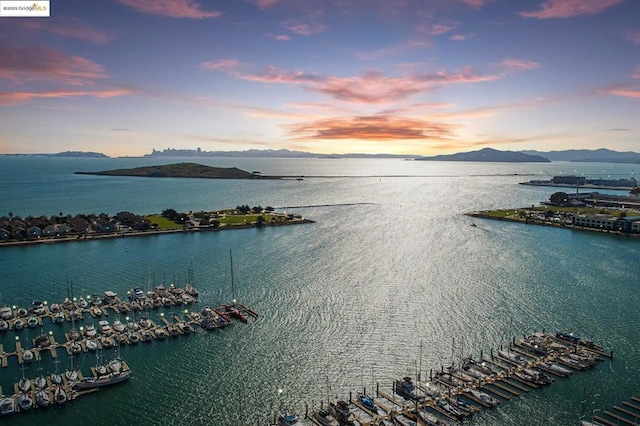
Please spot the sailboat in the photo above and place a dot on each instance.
(232, 309)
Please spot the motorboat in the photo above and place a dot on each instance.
(109, 298)
(18, 324)
(406, 388)
(6, 313)
(59, 317)
(160, 333)
(368, 402)
(136, 294)
(91, 345)
(191, 291)
(287, 419)
(118, 326)
(37, 307)
(83, 303)
(90, 330)
(27, 355)
(484, 397)
(98, 382)
(340, 410)
(104, 327)
(325, 418)
(33, 321)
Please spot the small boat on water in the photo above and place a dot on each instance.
(41, 341)
(91, 344)
(37, 307)
(117, 325)
(59, 317)
(406, 389)
(325, 419)
(136, 293)
(59, 395)
(22, 312)
(104, 327)
(42, 398)
(4, 325)
(71, 375)
(287, 419)
(18, 324)
(109, 298)
(25, 402)
(40, 382)
(90, 330)
(340, 410)
(191, 291)
(7, 406)
(27, 355)
(24, 385)
(368, 402)
(74, 334)
(6, 313)
(484, 397)
(55, 378)
(33, 321)
(83, 303)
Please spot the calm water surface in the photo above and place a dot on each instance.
(391, 263)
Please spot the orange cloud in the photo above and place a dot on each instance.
(519, 64)
(220, 65)
(371, 87)
(375, 128)
(569, 8)
(21, 97)
(68, 27)
(171, 8)
(25, 63)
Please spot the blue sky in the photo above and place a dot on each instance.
(123, 77)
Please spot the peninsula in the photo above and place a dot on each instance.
(182, 170)
(489, 155)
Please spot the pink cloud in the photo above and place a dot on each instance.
(21, 97)
(371, 87)
(220, 65)
(68, 27)
(263, 4)
(172, 8)
(635, 37)
(519, 64)
(627, 93)
(436, 29)
(393, 50)
(38, 63)
(279, 37)
(305, 29)
(374, 128)
(477, 4)
(461, 37)
(569, 8)
(637, 73)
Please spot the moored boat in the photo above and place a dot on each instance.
(325, 419)
(42, 398)
(340, 410)
(406, 388)
(287, 419)
(98, 382)
(59, 395)
(7, 406)
(25, 402)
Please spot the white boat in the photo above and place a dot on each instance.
(484, 397)
(55, 378)
(6, 313)
(75, 347)
(42, 398)
(90, 330)
(33, 321)
(40, 382)
(325, 419)
(37, 307)
(59, 317)
(18, 324)
(83, 303)
(118, 326)
(406, 389)
(91, 345)
(110, 379)
(104, 327)
(27, 355)
(4, 325)
(59, 395)
(24, 385)
(25, 402)
(71, 375)
(115, 365)
(7, 406)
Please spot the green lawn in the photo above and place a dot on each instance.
(162, 222)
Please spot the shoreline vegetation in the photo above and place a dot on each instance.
(555, 216)
(17, 231)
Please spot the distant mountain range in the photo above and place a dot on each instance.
(489, 155)
(601, 155)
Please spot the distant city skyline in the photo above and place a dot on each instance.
(124, 77)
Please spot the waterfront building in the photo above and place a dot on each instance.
(629, 224)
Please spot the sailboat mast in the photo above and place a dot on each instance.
(233, 286)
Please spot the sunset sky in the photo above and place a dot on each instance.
(427, 77)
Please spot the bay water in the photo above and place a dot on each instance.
(390, 265)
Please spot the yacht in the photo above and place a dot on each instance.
(118, 326)
(6, 313)
(90, 330)
(136, 294)
(98, 382)
(25, 402)
(340, 410)
(405, 388)
(42, 398)
(325, 418)
(37, 307)
(104, 327)
(91, 344)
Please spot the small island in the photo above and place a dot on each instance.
(16, 230)
(489, 155)
(183, 170)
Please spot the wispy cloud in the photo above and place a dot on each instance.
(570, 8)
(404, 46)
(28, 63)
(519, 64)
(477, 4)
(437, 28)
(279, 37)
(636, 74)
(263, 4)
(15, 98)
(372, 87)
(172, 8)
(222, 64)
(461, 37)
(69, 27)
(304, 29)
(634, 37)
(376, 128)
(627, 93)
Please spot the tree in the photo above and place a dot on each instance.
(260, 221)
(635, 191)
(558, 198)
